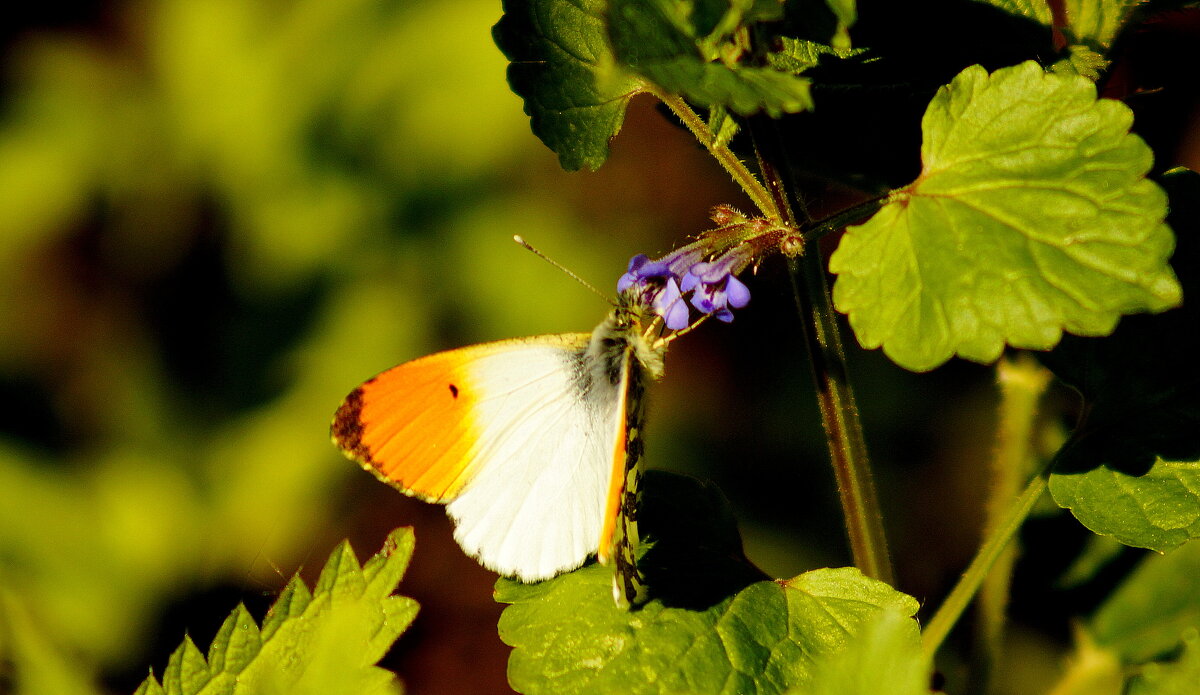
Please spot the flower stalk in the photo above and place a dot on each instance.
(827, 358)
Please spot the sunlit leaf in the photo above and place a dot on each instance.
(1132, 468)
(885, 657)
(1037, 10)
(569, 637)
(1032, 215)
(326, 642)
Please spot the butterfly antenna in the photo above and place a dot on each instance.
(529, 247)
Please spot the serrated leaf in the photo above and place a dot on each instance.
(1130, 469)
(657, 40)
(341, 575)
(186, 671)
(885, 657)
(568, 637)
(1153, 608)
(1036, 10)
(150, 686)
(1180, 676)
(562, 66)
(237, 642)
(1083, 61)
(326, 642)
(1032, 215)
(292, 601)
(798, 55)
(1096, 23)
(1158, 509)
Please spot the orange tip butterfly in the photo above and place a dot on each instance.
(533, 444)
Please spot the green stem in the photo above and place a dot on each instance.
(1022, 381)
(835, 397)
(954, 605)
(839, 415)
(725, 157)
(851, 215)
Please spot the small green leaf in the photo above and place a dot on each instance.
(1132, 468)
(236, 644)
(1156, 605)
(569, 637)
(886, 657)
(1081, 60)
(1032, 215)
(562, 66)
(1037, 10)
(1158, 509)
(326, 642)
(797, 55)
(1180, 676)
(658, 40)
(1096, 23)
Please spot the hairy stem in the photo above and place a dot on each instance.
(994, 544)
(839, 220)
(835, 397)
(839, 415)
(1022, 381)
(725, 157)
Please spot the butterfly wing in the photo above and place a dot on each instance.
(515, 436)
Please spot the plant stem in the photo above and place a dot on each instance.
(1022, 381)
(725, 157)
(839, 220)
(954, 605)
(839, 414)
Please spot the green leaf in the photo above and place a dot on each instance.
(1148, 614)
(562, 66)
(1131, 470)
(1083, 61)
(798, 55)
(886, 657)
(1037, 10)
(326, 642)
(1158, 509)
(568, 636)
(1178, 677)
(658, 40)
(1096, 23)
(1031, 216)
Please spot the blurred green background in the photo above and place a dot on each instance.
(218, 217)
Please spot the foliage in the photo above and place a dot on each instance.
(324, 641)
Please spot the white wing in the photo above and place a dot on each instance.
(535, 502)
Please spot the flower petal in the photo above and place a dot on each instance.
(738, 293)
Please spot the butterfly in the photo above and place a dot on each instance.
(533, 444)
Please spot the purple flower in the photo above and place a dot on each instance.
(657, 282)
(715, 289)
(662, 284)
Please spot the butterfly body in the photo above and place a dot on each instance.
(532, 443)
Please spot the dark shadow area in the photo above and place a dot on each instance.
(1142, 383)
(695, 558)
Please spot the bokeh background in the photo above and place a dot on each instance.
(218, 217)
